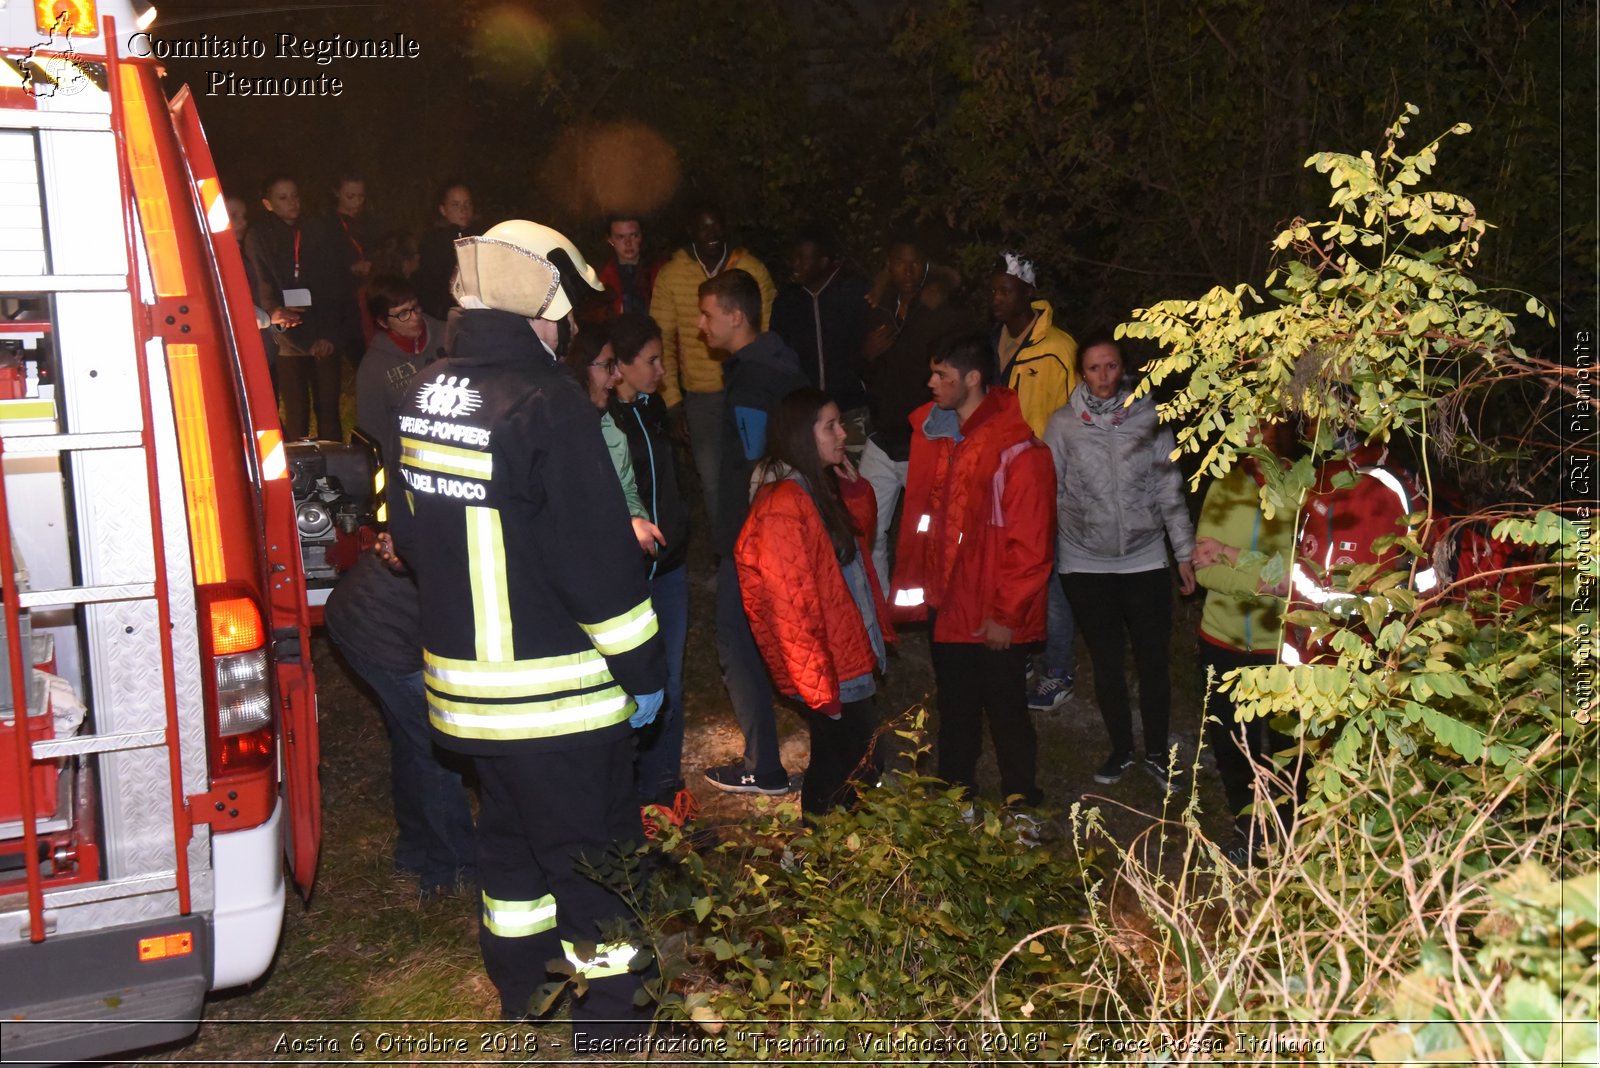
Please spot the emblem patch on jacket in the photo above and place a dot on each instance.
(447, 397)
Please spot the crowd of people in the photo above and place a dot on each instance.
(868, 456)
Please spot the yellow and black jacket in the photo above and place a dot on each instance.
(1044, 371)
(536, 617)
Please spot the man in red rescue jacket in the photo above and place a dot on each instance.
(975, 551)
(1357, 499)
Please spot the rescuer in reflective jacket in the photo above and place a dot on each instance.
(540, 642)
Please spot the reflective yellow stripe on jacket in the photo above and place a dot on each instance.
(621, 633)
(511, 679)
(491, 601)
(530, 719)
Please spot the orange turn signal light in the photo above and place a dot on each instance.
(235, 626)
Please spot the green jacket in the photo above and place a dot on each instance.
(1236, 613)
(622, 462)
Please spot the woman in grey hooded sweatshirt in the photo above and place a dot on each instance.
(1119, 501)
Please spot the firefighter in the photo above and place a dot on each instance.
(540, 642)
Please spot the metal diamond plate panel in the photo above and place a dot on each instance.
(180, 582)
(109, 497)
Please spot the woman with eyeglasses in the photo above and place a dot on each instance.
(638, 409)
(593, 365)
(406, 341)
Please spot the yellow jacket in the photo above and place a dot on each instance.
(675, 306)
(1044, 372)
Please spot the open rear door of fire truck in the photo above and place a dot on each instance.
(158, 735)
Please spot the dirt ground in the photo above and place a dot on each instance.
(367, 970)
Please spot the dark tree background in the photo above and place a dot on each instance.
(1136, 150)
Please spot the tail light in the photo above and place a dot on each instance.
(239, 688)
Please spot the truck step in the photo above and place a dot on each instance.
(65, 595)
(49, 444)
(51, 748)
(88, 893)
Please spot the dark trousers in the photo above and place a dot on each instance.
(435, 839)
(974, 680)
(660, 763)
(299, 376)
(745, 675)
(1236, 744)
(1110, 611)
(839, 754)
(543, 813)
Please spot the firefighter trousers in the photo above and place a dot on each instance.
(542, 814)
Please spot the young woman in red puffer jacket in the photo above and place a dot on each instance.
(813, 598)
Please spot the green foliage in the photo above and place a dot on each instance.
(1533, 979)
(1374, 319)
(911, 908)
(1373, 324)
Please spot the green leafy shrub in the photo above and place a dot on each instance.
(913, 918)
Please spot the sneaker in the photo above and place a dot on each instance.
(733, 779)
(1049, 693)
(1114, 767)
(657, 818)
(1163, 770)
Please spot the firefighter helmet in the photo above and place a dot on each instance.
(522, 267)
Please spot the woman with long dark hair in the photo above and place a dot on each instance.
(809, 588)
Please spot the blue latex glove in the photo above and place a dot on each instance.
(649, 707)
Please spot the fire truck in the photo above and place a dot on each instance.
(158, 732)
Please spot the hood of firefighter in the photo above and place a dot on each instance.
(522, 267)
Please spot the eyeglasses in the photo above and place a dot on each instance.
(608, 366)
(400, 315)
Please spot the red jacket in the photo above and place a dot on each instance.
(802, 614)
(611, 278)
(1354, 502)
(978, 533)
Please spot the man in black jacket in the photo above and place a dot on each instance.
(822, 316)
(912, 311)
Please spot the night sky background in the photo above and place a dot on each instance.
(1137, 151)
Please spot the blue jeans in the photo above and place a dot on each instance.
(436, 840)
(744, 673)
(659, 772)
(1059, 631)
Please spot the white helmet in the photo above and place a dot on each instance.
(522, 267)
